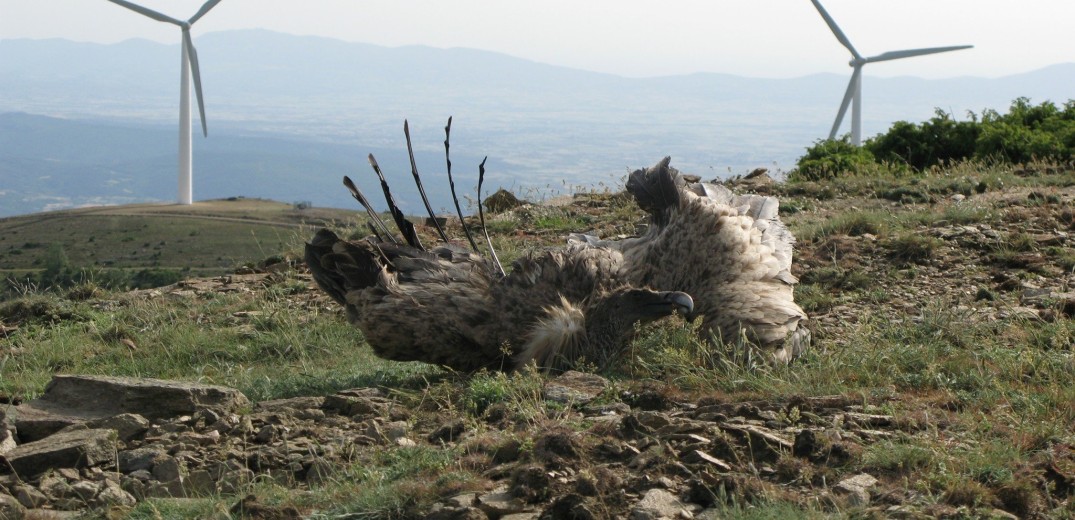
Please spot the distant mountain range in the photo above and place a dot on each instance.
(288, 115)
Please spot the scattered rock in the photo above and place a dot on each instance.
(500, 502)
(10, 508)
(575, 388)
(72, 399)
(657, 504)
(72, 449)
(502, 200)
(857, 488)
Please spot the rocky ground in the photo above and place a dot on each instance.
(599, 449)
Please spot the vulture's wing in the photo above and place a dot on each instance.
(730, 252)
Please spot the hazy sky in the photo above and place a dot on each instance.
(760, 38)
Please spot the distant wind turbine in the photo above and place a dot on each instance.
(189, 65)
(854, 87)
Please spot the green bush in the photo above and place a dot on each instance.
(831, 158)
(1027, 133)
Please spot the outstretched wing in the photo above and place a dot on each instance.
(730, 252)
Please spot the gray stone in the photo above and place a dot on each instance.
(10, 508)
(167, 469)
(290, 405)
(233, 481)
(111, 495)
(652, 420)
(83, 490)
(463, 500)
(576, 388)
(500, 502)
(71, 399)
(394, 431)
(134, 486)
(657, 503)
(74, 449)
(359, 401)
(128, 426)
(199, 483)
(139, 459)
(30, 497)
(857, 488)
(173, 489)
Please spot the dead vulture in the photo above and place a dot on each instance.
(730, 253)
(453, 307)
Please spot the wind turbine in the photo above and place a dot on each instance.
(854, 87)
(189, 65)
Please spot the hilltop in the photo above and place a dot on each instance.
(206, 238)
(941, 383)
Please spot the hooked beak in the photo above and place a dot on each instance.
(682, 301)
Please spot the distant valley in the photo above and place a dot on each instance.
(288, 116)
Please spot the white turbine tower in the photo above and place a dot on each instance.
(189, 65)
(854, 87)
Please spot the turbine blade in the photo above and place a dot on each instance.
(895, 55)
(148, 12)
(201, 12)
(848, 95)
(196, 73)
(418, 181)
(836, 30)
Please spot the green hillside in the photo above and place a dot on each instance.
(205, 238)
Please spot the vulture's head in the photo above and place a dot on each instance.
(598, 329)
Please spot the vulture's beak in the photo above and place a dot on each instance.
(681, 302)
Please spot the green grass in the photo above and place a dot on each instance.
(277, 350)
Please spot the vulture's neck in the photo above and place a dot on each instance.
(556, 339)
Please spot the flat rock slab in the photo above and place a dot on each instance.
(71, 399)
(71, 449)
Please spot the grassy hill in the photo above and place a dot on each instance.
(942, 374)
(205, 238)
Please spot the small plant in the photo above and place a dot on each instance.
(913, 248)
